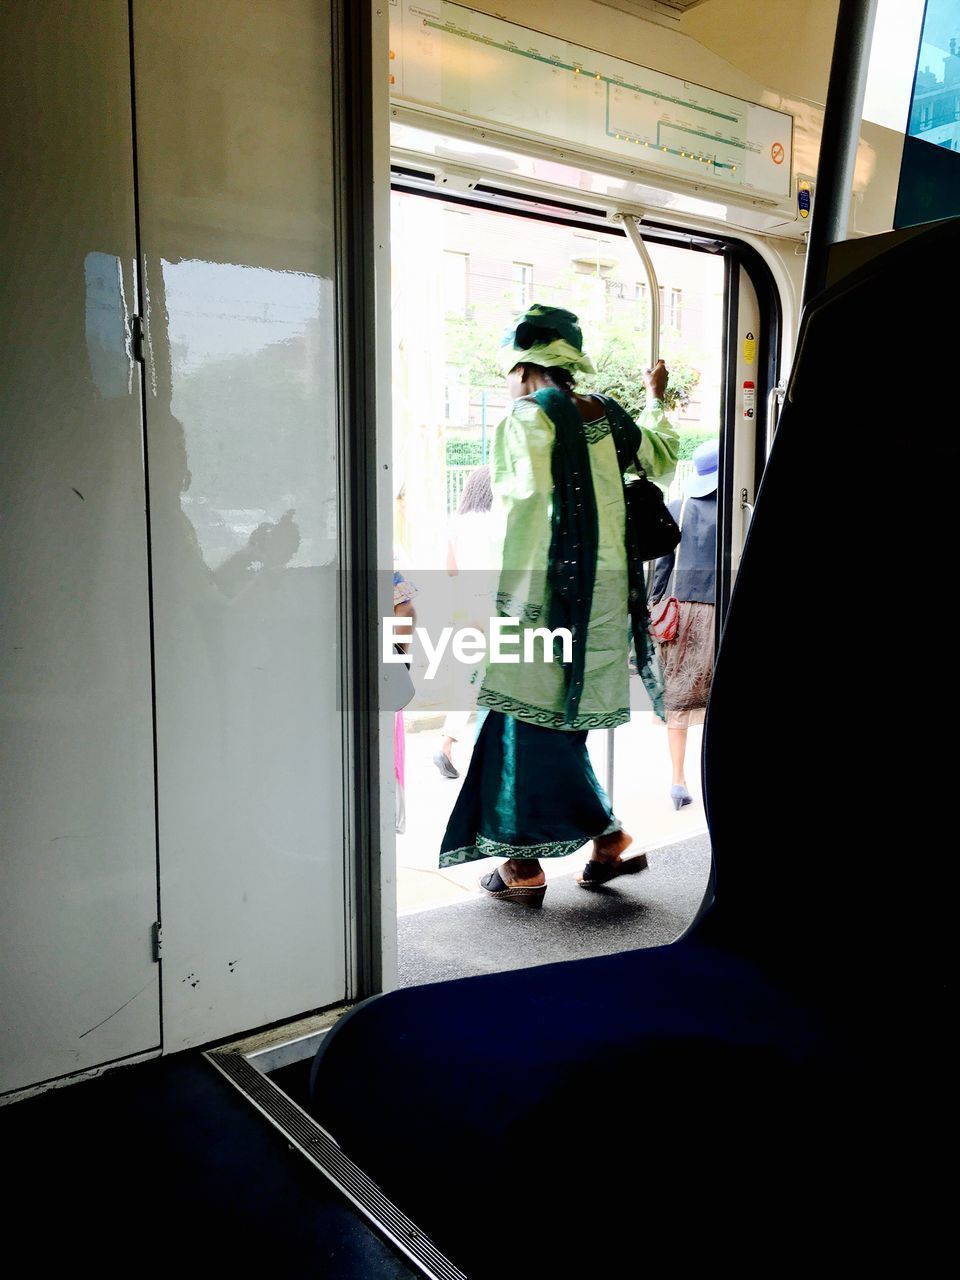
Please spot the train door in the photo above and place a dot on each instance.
(466, 257)
(79, 986)
(594, 125)
(753, 395)
(242, 414)
(179, 812)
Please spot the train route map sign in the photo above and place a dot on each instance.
(450, 58)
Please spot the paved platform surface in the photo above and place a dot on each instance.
(481, 935)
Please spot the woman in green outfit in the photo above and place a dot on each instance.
(567, 561)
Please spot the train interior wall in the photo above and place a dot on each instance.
(172, 715)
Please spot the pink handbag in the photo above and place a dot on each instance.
(665, 619)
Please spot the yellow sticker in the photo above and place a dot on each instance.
(749, 349)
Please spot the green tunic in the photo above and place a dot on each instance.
(522, 481)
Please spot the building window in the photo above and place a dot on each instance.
(456, 272)
(456, 397)
(640, 305)
(522, 284)
(676, 309)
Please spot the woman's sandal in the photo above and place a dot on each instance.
(527, 895)
(597, 873)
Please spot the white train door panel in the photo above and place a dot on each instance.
(236, 195)
(78, 884)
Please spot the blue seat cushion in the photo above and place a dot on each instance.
(539, 1082)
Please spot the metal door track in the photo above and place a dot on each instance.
(303, 1132)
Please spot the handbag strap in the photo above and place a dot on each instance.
(672, 583)
(627, 436)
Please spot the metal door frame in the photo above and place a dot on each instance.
(356, 111)
(744, 257)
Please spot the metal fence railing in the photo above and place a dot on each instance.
(685, 470)
(456, 478)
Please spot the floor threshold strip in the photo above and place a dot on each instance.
(313, 1141)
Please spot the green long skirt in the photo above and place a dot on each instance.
(530, 792)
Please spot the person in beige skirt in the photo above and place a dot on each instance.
(690, 574)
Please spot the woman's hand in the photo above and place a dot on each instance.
(655, 380)
(275, 543)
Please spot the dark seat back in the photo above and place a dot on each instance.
(828, 745)
(597, 1116)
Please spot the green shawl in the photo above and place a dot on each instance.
(573, 544)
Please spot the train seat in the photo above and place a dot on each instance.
(748, 1082)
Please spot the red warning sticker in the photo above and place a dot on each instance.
(777, 153)
(749, 399)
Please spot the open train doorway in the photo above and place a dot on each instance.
(463, 267)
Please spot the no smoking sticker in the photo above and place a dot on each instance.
(777, 153)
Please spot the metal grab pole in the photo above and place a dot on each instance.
(839, 138)
(631, 224)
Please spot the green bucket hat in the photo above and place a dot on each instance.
(547, 336)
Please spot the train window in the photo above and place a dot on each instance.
(676, 309)
(523, 284)
(930, 170)
(456, 276)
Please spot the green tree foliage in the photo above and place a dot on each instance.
(690, 438)
(472, 345)
(463, 453)
(472, 349)
(620, 375)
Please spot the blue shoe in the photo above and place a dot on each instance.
(446, 765)
(680, 796)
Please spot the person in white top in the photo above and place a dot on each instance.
(468, 551)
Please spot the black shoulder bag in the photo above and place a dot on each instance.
(655, 532)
